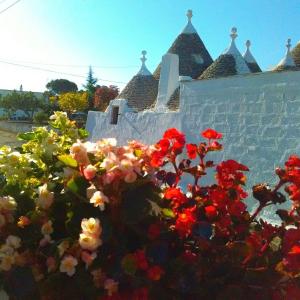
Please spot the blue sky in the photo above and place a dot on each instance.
(110, 34)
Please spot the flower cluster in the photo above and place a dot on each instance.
(8, 252)
(97, 221)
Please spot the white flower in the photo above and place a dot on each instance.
(68, 265)
(13, 241)
(89, 242)
(45, 199)
(99, 200)
(91, 226)
(47, 228)
(110, 162)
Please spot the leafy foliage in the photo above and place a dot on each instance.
(103, 95)
(72, 102)
(25, 101)
(82, 220)
(60, 86)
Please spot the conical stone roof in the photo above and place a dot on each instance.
(287, 63)
(250, 60)
(141, 90)
(231, 62)
(296, 54)
(193, 55)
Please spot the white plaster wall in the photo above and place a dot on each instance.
(147, 126)
(259, 115)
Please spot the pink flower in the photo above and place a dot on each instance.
(89, 172)
(88, 257)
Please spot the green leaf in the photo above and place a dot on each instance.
(68, 160)
(26, 136)
(78, 185)
(83, 133)
(167, 212)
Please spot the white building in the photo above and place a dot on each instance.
(258, 112)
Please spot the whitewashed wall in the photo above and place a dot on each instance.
(259, 115)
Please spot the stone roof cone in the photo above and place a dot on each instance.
(250, 60)
(296, 54)
(287, 63)
(231, 62)
(141, 90)
(193, 55)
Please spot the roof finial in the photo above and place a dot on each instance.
(248, 44)
(143, 70)
(233, 33)
(189, 28)
(143, 58)
(288, 45)
(189, 14)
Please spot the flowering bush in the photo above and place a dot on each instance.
(82, 220)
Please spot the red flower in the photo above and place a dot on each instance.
(164, 145)
(219, 197)
(211, 211)
(185, 221)
(173, 133)
(191, 150)
(294, 192)
(175, 195)
(157, 159)
(154, 273)
(176, 137)
(228, 174)
(236, 208)
(293, 161)
(211, 134)
(233, 166)
(215, 146)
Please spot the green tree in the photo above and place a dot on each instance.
(72, 102)
(60, 86)
(90, 87)
(25, 101)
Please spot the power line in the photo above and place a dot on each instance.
(5, 9)
(73, 66)
(57, 72)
